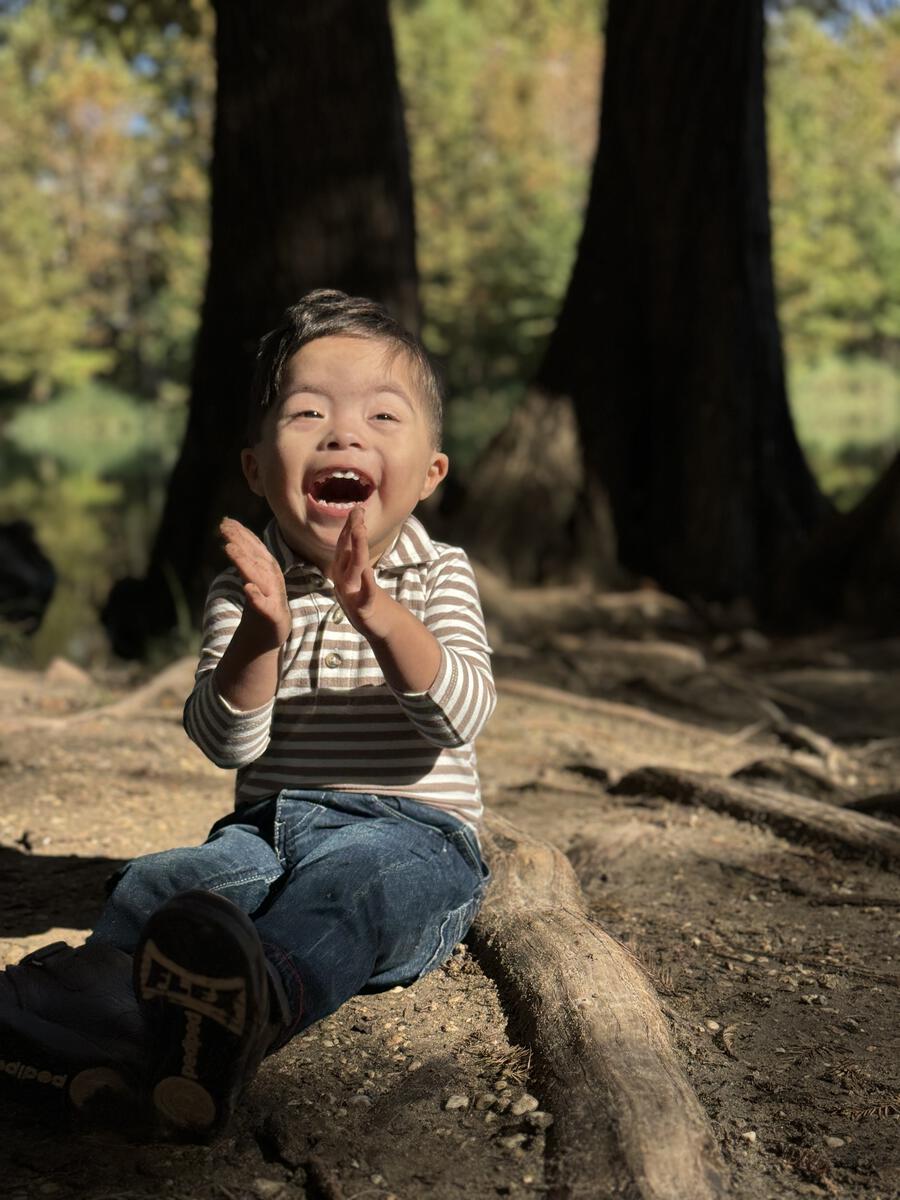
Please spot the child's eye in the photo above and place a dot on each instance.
(305, 412)
(385, 416)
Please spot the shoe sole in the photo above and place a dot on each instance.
(40, 1066)
(201, 980)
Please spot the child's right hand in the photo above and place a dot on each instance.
(267, 608)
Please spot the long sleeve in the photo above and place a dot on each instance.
(461, 699)
(227, 737)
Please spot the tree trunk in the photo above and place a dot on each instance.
(668, 341)
(528, 511)
(851, 569)
(310, 188)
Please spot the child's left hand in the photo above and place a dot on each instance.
(360, 597)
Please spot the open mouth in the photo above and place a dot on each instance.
(341, 488)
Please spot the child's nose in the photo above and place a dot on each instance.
(342, 434)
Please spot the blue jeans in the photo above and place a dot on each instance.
(350, 892)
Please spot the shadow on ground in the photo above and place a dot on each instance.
(43, 891)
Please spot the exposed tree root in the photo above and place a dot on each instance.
(611, 709)
(882, 802)
(551, 609)
(792, 776)
(627, 1122)
(176, 680)
(794, 816)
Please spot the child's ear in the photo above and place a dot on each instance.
(437, 470)
(250, 464)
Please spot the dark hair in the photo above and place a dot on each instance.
(324, 313)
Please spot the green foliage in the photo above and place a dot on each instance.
(105, 117)
(834, 116)
(834, 112)
(45, 329)
(69, 514)
(96, 430)
(835, 11)
(102, 195)
(847, 415)
(88, 469)
(501, 104)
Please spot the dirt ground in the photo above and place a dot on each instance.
(778, 963)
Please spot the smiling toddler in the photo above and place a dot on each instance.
(345, 674)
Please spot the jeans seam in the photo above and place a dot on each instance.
(240, 880)
(286, 963)
(395, 812)
(443, 951)
(278, 833)
(466, 851)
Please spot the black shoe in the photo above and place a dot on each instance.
(201, 978)
(72, 1037)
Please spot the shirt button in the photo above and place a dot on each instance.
(333, 659)
(338, 616)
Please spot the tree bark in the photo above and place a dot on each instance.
(851, 569)
(528, 511)
(626, 1120)
(310, 188)
(668, 339)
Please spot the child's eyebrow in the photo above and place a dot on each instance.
(395, 391)
(300, 385)
(294, 388)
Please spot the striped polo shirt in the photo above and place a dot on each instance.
(335, 722)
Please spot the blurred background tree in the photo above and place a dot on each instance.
(310, 187)
(104, 152)
(105, 133)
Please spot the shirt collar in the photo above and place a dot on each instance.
(412, 547)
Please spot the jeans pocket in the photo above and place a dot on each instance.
(293, 813)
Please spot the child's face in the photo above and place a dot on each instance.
(346, 404)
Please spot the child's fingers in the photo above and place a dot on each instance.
(350, 575)
(359, 537)
(347, 527)
(351, 552)
(238, 538)
(367, 586)
(248, 554)
(342, 547)
(345, 544)
(345, 536)
(357, 524)
(236, 533)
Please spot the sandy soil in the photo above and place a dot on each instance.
(777, 962)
